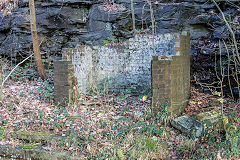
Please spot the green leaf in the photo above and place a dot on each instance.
(120, 154)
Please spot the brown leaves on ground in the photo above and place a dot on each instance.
(202, 102)
(23, 110)
(100, 120)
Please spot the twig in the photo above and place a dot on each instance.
(229, 82)
(153, 26)
(15, 69)
(230, 29)
(221, 80)
(133, 18)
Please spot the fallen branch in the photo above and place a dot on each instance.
(14, 70)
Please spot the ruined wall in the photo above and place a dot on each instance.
(133, 62)
(171, 78)
(180, 76)
(117, 66)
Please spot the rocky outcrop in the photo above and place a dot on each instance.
(69, 23)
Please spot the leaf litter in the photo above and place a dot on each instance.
(23, 110)
(98, 121)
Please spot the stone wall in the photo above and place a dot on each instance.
(117, 66)
(171, 78)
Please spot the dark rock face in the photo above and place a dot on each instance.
(69, 23)
(4, 24)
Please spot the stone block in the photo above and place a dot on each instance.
(188, 126)
(211, 116)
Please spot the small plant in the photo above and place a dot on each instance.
(139, 89)
(22, 94)
(120, 154)
(151, 144)
(45, 91)
(105, 42)
(2, 133)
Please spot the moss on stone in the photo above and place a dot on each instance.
(31, 133)
(27, 146)
(42, 134)
(33, 152)
(76, 116)
(24, 133)
(105, 42)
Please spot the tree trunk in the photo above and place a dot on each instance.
(36, 49)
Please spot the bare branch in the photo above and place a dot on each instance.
(230, 29)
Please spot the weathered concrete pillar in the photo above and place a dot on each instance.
(61, 85)
(171, 78)
(65, 90)
(160, 84)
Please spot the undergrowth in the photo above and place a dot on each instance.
(129, 136)
(28, 72)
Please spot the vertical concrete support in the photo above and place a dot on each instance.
(160, 84)
(171, 78)
(64, 83)
(61, 87)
